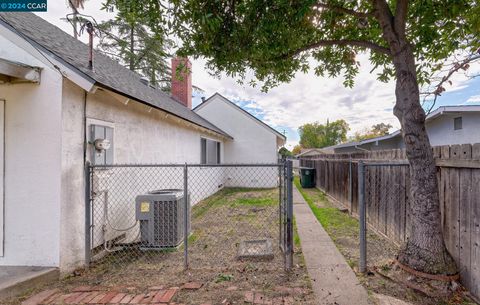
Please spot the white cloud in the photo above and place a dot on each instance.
(474, 99)
(291, 144)
(309, 98)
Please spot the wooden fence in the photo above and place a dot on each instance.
(387, 192)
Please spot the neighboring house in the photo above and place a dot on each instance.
(308, 152)
(254, 140)
(55, 108)
(448, 125)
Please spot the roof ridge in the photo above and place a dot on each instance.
(243, 110)
(107, 73)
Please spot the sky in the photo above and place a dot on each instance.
(306, 98)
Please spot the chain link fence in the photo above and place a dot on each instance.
(199, 216)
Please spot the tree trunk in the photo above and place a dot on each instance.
(75, 33)
(132, 48)
(425, 249)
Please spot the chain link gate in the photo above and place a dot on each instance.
(382, 210)
(189, 215)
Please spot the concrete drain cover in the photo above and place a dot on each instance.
(255, 249)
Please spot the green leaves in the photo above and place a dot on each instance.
(130, 39)
(273, 38)
(316, 135)
(377, 130)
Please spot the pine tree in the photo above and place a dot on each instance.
(128, 39)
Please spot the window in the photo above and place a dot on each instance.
(457, 123)
(210, 151)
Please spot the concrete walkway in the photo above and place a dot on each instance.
(333, 281)
(15, 280)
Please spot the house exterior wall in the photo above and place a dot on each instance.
(393, 143)
(32, 162)
(441, 131)
(253, 143)
(141, 136)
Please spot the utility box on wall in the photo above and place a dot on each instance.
(101, 140)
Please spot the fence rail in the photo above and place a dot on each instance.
(387, 194)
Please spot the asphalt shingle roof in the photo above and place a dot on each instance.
(107, 73)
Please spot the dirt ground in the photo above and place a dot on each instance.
(384, 276)
(219, 224)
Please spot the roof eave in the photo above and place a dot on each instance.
(85, 81)
(201, 105)
(101, 85)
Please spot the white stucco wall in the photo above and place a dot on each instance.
(141, 135)
(441, 131)
(253, 143)
(32, 161)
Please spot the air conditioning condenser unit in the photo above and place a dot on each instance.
(161, 215)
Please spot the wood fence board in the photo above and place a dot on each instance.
(458, 163)
(383, 200)
(378, 194)
(401, 207)
(474, 276)
(374, 190)
(465, 192)
(390, 205)
(408, 223)
(396, 210)
(369, 196)
(388, 198)
(355, 187)
(403, 203)
(447, 190)
(452, 206)
(441, 191)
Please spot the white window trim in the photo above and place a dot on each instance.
(206, 150)
(461, 123)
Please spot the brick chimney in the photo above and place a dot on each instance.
(182, 81)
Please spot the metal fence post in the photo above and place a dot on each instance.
(280, 201)
(362, 266)
(350, 185)
(289, 182)
(284, 211)
(88, 212)
(186, 200)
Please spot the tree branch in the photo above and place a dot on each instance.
(400, 19)
(385, 19)
(343, 10)
(345, 42)
(439, 88)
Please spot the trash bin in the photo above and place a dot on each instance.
(307, 177)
